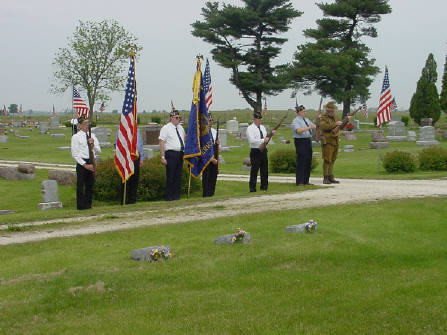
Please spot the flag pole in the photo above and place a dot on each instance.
(124, 193)
(189, 180)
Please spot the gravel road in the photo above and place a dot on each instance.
(348, 191)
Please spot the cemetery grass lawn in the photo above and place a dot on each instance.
(363, 163)
(23, 196)
(369, 269)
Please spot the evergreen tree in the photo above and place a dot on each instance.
(246, 40)
(425, 101)
(337, 64)
(443, 99)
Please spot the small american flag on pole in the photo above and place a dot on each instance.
(265, 107)
(126, 142)
(102, 108)
(365, 110)
(20, 111)
(54, 110)
(207, 86)
(5, 111)
(385, 102)
(79, 104)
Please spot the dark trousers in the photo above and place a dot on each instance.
(174, 167)
(209, 178)
(132, 184)
(84, 185)
(303, 147)
(259, 162)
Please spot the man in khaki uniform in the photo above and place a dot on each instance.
(330, 132)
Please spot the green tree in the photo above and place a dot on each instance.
(338, 64)
(425, 101)
(13, 109)
(246, 40)
(443, 98)
(95, 59)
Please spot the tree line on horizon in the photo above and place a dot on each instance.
(336, 63)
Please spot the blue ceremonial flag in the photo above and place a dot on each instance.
(199, 149)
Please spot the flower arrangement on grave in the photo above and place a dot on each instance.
(238, 236)
(310, 226)
(160, 254)
(349, 127)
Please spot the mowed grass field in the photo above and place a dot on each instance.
(375, 268)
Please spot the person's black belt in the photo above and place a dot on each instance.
(87, 160)
(303, 138)
(172, 151)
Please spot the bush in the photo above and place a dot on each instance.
(433, 158)
(284, 161)
(156, 119)
(399, 161)
(405, 119)
(151, 186)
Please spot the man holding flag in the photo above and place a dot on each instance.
(199, 147)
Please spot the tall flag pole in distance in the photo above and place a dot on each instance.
(207, 86)
(385, 102)
(126, 143)
(79, 104)
(199, 144)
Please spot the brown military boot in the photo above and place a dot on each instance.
(326, 180)
(332, 179)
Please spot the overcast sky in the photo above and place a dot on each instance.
(32, 31)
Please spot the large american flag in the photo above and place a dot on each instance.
(79, 104)
(126, 142)
(385, 102)
(207, 86)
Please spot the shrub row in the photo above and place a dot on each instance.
(151, 185)
(431, 158)
(284, 161)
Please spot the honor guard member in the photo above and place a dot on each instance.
(85, 177)
(209, 175)
(302, 129)
(330, 134)
(257, 135)
(172, 145)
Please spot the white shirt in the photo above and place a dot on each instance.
(79, 147)
(213, 134)
(254, 137)
(170, 138)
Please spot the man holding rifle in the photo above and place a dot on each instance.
(330, 133)
(258, 139)
(85, 167)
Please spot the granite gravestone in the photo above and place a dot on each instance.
(378, 140)
(396, 131)
(427, 136)
(50, 196)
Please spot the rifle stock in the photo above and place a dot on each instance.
(345, 121)
(91, 154)
(263, 146)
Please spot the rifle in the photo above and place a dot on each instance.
(345, 121)
(317, 122)
(216, 147)
(263, 146)
(91, 154)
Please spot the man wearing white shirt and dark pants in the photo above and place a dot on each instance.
(85, 178)
(172, 145)
(256, 135)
